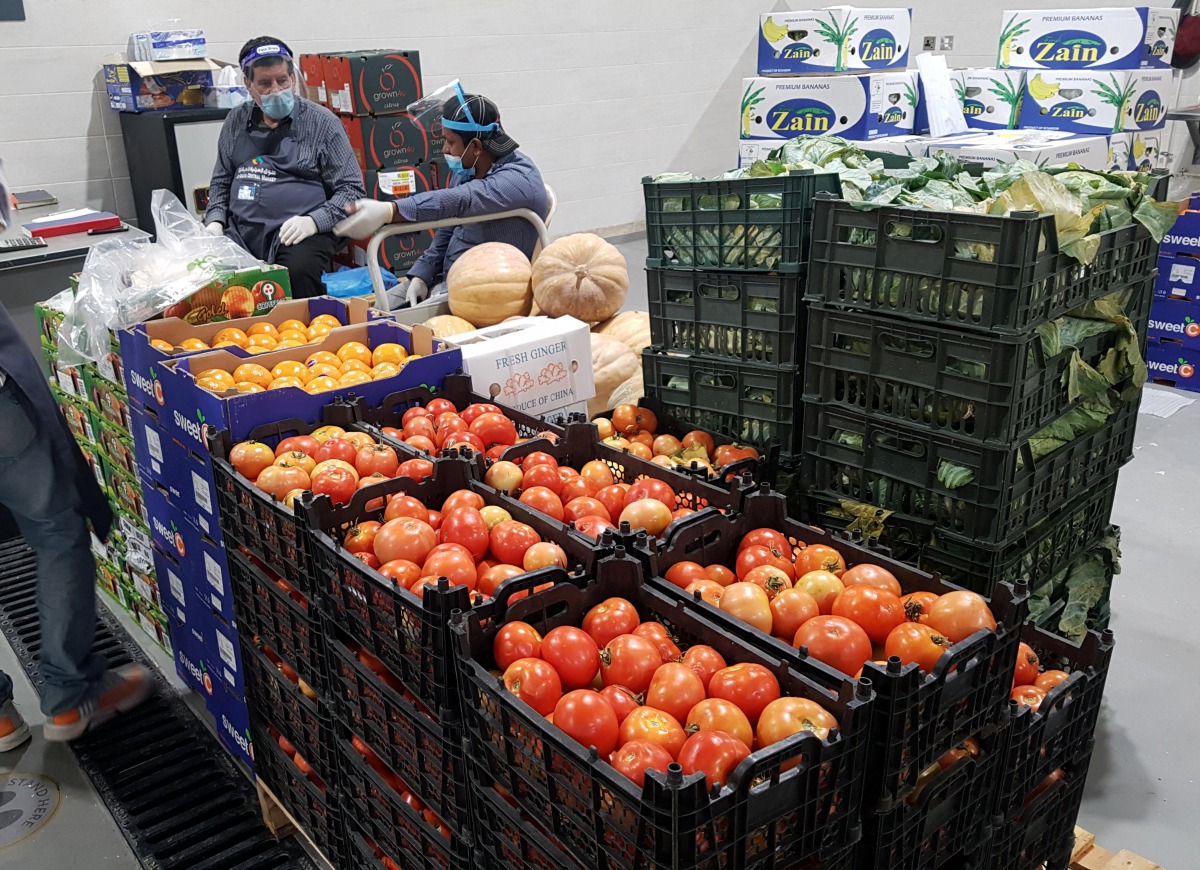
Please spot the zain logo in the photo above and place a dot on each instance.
(1148, 113)
(878, 48)
(1068, 48)
(801, 116)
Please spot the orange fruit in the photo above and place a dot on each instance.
(263, 329)
(324, 356)
(164, 346)
(247, 387)
(356, 365)
(254, 374)
(322, 384)
(325, 320)
(231, 333)
(349, 379)
(291, 368)
(298, 325)
(261, 340)
(411, 357)
(324, 369)
(193, 344)
(300, 335)
(280, 383)
(388, 352)
(384, 370)
(213, 384)
(355, 350)
(218, 375)
(289, 343)
(318, 331)
(257, 350)
(221, 344)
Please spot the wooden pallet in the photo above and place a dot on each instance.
(281, 823)
(1088, 856)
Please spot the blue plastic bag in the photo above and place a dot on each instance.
(346, 282)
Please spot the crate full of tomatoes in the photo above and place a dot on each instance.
(638, 733)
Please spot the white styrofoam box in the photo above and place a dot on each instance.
(561, 415)
(1127, 37)
(535, 364)
(1096, 101)
(991, 98)
(903, 146)
(854, 106)
(835, 39)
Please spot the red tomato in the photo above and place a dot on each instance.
(441, 406)
(576, 487)
(1028, 666)
(336, 448)
(361, 537)
(721, 574)
(449, 425)
(421, 427)
(280, 481)
(457, 565)
(873, 608)
(463, 440)
(960, 614)
(629, 661)
(542, 475)
(613, 499)
(465, 526)
(493, 428)
(622, 700)
(368, 559)
(657, 635)
(750, 603)
(716, 754)
(538, 457)
(609, 619)
(471, 412)
(787, 716)
(337, 483)
(573, 654)
(370, 480)
(646, 513)
(510, 539)
(770, 578)
(415, 411)
(872, 575)
(676, 689)
(651, 487)
(491, 579)
(543, 500)
(1049, 679)
(717, 714)
(773, 540)
(405, 538)
(377, 459)
(250, 458)
(417, 469)
(753, 557)
(917, 604)
(463, 498)
(401, 571)
(598, 473)
(790, 609)
(593, 527)
(684, 573)
(434, 518)
(516, 640)
(505, 476)
(578, 508)
(588, 718)
(705, 661)
(818, 557)
(544, 555)
(916, 642)
(709, 591)
(657, 726)
(836, 641)
(299, 443)
(752, 687)
(534, 682)
(636, 757)
(1029, 696)
(405, 506)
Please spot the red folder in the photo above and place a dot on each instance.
(99, 220)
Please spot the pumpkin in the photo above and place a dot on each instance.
(631, 328)
(581, 275)
(489, 283)
(628, 393)
(612, 365)
(446, 325)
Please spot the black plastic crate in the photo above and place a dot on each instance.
(751, 224)
(904, 469)
(986, 272)
(375, 809)
(409, 634)
(315, 806)
(305, 723)
(741, 402)
(738, 316)
(917, 716)
(289, 627)
(507, 838)
(1064, 725)
(948, 819)
(426, 753)
(1002, 389)
(598, 816)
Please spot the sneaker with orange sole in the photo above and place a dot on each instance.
(13, 730)
(120, 691)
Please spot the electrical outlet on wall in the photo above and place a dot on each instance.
(929, 43)
(947, 43)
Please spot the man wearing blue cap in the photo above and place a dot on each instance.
(488, 175)
(285, 171)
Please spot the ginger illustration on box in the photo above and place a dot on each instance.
(552, 374)
(521, 382)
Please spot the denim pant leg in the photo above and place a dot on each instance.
(45, 503)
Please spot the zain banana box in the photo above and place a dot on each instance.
(991, 98)
(1128, 37)
(1090, 152)
(856, 107)
(835, 39)
(1085, 101)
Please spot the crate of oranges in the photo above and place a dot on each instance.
(223, 388)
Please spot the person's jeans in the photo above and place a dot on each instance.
(45, 503)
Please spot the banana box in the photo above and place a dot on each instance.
(991, 98)
(1120, 147)
(1148, 150)
(834, 39)
(1044, 149)
(855, 107)
(1128, 37)
(900, 146)
(1083, 101)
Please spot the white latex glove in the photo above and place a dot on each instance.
(216, 228)
(297, 229)
(366, 216)
(418, 291)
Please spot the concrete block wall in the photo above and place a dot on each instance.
(598, 93)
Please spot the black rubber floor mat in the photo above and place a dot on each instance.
(179, 799)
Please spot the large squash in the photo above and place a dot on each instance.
(581, 275)
(631, 328)
(446, 325)
(612, 364)
(628, 392)
(489, 283)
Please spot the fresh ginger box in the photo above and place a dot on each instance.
(834, 39)
(856, 107)
(1127, 37)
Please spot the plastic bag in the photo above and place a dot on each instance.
(346, 282)
(128, 281)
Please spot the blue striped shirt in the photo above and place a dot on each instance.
(512, 182)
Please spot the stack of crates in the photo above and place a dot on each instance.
(92, 397)
(726, 272)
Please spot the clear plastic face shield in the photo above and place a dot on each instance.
(271, 79)
(428, 110)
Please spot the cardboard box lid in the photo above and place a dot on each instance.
(146, 68)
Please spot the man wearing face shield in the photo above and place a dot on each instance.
(285, 171)
(488, 175)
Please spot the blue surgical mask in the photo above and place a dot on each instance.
(279, 105)
(455, 165)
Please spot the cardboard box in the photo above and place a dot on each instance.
(536, 364)
(233, 722)
(901, 146)
(190, 657)
(988, 149)
(234, 295)
(1178, 277)
(186, 411)
(126, 492)
(186, 476)
(399, 182)
(372, 82)
(1124, 37)
(201, 560)
(50, 314)
(136, 535)
(834, 39)
(110, 401)
(1184, 237)
(1177, 320)
(80, 416)
(391, 140)
(1173, 365)
(178, 44)
(854, 107)
(312, 68)
(154, 86)
(991, 98)
(117, 447)
(1149, 150)
(1087, 102)
(1120, 146)
(227, 656)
